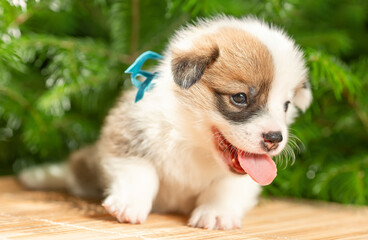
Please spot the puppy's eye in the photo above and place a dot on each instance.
(286, 105)
(239, 99)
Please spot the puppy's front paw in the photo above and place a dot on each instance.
(210, 217)
(134, 212)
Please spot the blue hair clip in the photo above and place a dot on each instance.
(135, 70)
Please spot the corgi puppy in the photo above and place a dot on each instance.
(201, 141)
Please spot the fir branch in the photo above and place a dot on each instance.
(134, 39)
(165, 31)
(118, 21)
(14, 96)
(361, 113)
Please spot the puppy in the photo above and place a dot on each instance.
(201, 141)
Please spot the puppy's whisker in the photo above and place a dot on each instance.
(286, 155)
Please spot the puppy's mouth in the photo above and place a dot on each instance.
(260, 167)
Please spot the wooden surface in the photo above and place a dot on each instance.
(40, 215)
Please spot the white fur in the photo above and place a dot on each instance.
(133, 189)
(50, 176)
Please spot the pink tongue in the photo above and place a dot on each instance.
(259, 167)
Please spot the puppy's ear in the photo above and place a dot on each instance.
(188, 67)
(303, 96)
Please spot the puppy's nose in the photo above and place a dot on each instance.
(272, 137)
(271, 140)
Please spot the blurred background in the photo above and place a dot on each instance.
(62, 64)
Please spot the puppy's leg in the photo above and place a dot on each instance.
(224, 203)
(132, 185)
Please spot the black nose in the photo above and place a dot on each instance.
(271, 140)
(272, 137)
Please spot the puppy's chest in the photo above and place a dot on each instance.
(183, 174)
(185, 163)
(177, 157)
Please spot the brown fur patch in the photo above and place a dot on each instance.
(243, 64)
(85, 169)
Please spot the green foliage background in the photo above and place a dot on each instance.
(62, 62)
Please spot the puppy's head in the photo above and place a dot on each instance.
(245, 81)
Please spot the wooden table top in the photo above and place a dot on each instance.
(40, 215)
